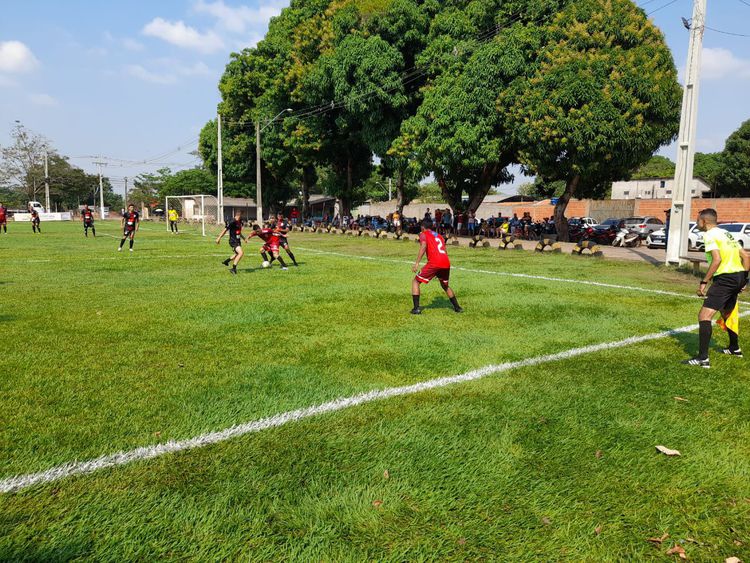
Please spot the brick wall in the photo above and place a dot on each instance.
(728, 209)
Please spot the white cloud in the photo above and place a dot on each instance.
(16, 57)
(238, 19)
(132, 44)
(198, 69)
(177, 33)
(43, 100)
(718, 63)
(141, 73)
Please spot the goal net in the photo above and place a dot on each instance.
(198, 214)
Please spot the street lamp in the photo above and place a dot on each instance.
(258, 194)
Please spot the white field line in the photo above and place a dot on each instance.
(512, 274)
(20, 482)
(137, 256)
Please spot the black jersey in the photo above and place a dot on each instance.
(131, 220)
(34, 216)
(88, 216)
(282, 227)
(234, 228)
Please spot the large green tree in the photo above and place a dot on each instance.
(733, 179)
(604, 96)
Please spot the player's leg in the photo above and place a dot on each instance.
(238, 254)
(278, 257)
(122, 242)
(415, 294)
(85, 230)
(705, 329)
(93, 229)
(289, 252)
(451, 295)
(132, 236)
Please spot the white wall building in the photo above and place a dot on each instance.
(654, 188)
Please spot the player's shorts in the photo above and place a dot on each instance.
(35, 221)
(235, 244)
(271, 247)
(722, 295)
(128, 232)
(283, 242)
(88, 224)
(429, 272)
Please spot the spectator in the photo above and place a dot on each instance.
(447, 222)
(514, 224)
(294, 216)
(472, 222)
(428, 215)
(438, 219)
(459, 223)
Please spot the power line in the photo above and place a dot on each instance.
(727, 32)
(745, 2)
(661, 7)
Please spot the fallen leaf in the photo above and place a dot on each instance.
(461, 541)
(681, 399)
(157, 434)
(377, 503)
(737, 543)
(732, 560)
(666, 451)
(182, 365)
(598, 529)
(599, 454)
(386, 474)
(678, 550)
(659, 540)
(546, 521)
(691, 540)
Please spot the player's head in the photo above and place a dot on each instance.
(131, 207)
(426, 225)
(707, 219)
(237, 215)
(85, 205)
(256, 227)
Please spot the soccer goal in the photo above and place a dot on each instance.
(195, 213)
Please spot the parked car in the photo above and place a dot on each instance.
(643, 225)
(586, 221)
(739, 231)
(658, 239)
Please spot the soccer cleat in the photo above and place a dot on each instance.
(416, 311)
(458, 309)
(736, 353)
(119, 249)
(131, 250)
(284, 268)
(226, 262)
(233, 271)
(697, 362)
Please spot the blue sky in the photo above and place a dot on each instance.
(138, 79)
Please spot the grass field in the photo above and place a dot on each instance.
(104, 352)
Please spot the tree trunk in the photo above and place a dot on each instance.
(561, 222)
(485, 183)
(346, 199)
(400, 192)
(306, 185)
(448, 196)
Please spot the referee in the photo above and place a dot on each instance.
(728, 265)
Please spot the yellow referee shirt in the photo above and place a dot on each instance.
(173, 215)
(729, 249)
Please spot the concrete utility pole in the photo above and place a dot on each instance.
(680, 217)
(258, 192)
(125, 200)
(101, 189)
(46, 181)
(219, 176)
(390, 189)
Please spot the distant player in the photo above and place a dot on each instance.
(282, 227)
(3, 218)
(131, 222)
(87, 216)
(438, 266)
(234, 228)
(173, 218)
(271, 246)
(728, 265)
(35, 221)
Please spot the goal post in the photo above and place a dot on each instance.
(195, 213)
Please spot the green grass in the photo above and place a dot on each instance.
(105, 351)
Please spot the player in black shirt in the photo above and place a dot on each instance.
(234, 228)
(282, 228)
(35, 221)
(131, 221)
(87, 216)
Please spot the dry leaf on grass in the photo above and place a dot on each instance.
(598, 529)
(679, 551)
(732, 560)
(659, 540)
(666, 451)
(599, 454)
(157, 434)
(377, 503)
(681, 399)
(386, 474)
(738, 543)
(546, 521)
(461, 541)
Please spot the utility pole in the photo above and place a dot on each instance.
(258, 193)
(219, 176)
(125, 200)
(683, 179)
(101, 189)
(46, 182)
(390, 189)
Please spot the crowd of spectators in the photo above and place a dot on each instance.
(448, 224)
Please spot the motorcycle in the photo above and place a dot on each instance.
(627, 238)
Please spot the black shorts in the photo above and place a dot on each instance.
(235, 244)
(128, 233)
(722, 295)
(88, 224)
(283, 243)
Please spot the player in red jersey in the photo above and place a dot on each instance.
(3, 218)
(271, 240)
(131, 222)
(438, 266)
(87, 216)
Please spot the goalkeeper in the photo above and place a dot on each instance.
(173, 218)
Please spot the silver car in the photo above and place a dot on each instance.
(644, 226)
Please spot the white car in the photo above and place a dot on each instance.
(658, 239)
(739, 231)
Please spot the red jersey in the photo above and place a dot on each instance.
(437, 256)
(2, 213)
(87, 215)
(269, 236)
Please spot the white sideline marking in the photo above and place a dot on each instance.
(511, 274)
(20, 482)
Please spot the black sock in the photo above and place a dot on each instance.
(131, 243)
(93, 230)
(704, 338)
(265, 256)
(281, 261)
(292, 257)
(733, 342)
(122, 242)
(454, 301)
(415, 299)
(234, 267)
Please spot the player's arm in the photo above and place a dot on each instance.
(251, 235)
(122, 222)
(715, 263)
(745, 255)
(137, 222)
(422, 250)
(221, 236)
